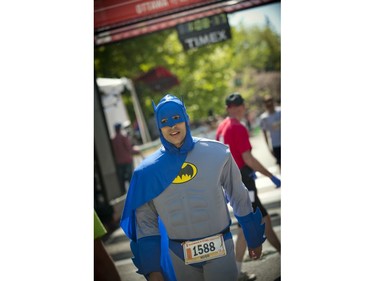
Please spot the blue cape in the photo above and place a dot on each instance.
(156, 173)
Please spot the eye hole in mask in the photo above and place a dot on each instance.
(174, 117)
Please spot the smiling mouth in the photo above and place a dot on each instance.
(174, 133)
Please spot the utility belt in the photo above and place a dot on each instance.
(225, 231)
(196, 251)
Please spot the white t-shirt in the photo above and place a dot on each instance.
(272, 124)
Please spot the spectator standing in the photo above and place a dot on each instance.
(233, 133)
(270, 122)
(123, 151)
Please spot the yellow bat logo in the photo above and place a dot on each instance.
(188, 172)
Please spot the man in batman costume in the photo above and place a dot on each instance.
(176, 212)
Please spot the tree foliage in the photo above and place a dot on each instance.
(206, 74)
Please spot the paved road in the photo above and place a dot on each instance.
(268, 268)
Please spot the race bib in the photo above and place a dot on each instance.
(205, 249)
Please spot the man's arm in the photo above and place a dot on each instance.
(251, 223)
(136, 151)
(147, 248)
(235, 190)
(265, 134)
(253, 163)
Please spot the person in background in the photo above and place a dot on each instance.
(270, 122)
(154, 132)
(123, 151)
(233, 133)
(176, 213)
(104, 267)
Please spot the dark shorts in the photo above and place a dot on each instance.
(247, 179)
(277, 154)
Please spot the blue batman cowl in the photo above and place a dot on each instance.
(168, 107)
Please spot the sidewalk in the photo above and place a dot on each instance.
(268, 268)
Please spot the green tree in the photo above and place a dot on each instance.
(206, 74)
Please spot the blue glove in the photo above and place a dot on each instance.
(276, 181)
(253, 228)
(253, 175)
(147, 254)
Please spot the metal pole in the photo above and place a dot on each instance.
(103, 150)
(145, 135)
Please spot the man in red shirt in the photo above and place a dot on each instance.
(123, 151)
(233, 133)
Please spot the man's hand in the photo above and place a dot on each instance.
(276, 181)
(255, 253)
(155, 276)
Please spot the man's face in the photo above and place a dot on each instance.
(176, 134)
(237, 111)
(172, 123)
(242, 109)
(269, 105)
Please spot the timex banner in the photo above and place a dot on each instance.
(204, 31)
(116, 20)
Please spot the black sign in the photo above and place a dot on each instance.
(204, 31)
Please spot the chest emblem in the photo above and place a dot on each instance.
(188, 172)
